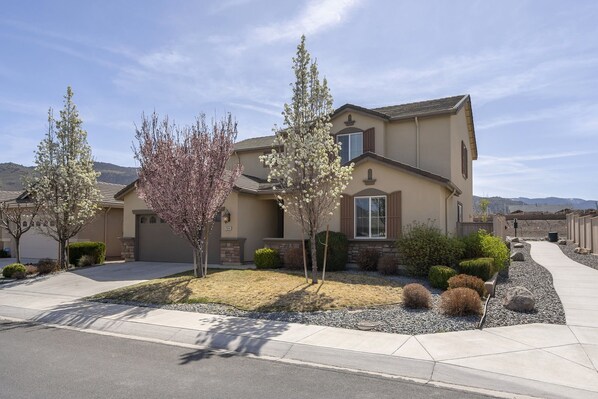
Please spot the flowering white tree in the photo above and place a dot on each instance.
(183, 175)
(305, 159)
(64, 183)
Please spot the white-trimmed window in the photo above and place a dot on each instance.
(351, 146)
(370, 217)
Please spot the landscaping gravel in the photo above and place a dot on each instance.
(397, 319)
(588, 260)
(538, 280)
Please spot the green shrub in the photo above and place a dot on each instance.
(439, 276)
(14, 270)
(47, 265)
(416, 296)
(293, 259)
(467, 281)
(387, 264)
(473, 244)
(494, 247)
(338, 251)
(97, 250)
(480, 267)
(367, 259)
(460, 302)
(266, 258)
(424, 245)
(85, 260)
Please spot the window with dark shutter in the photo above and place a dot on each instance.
(464, 160)
(369, 140)
(394, 215)
(347, 215)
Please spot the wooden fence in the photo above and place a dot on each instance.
(496, 226)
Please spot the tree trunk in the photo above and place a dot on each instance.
(17, 249)
(205, 245)
(62, 260)
(195, 262)
(314, 259)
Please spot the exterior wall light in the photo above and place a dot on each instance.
(225, 216)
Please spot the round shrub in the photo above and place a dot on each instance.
(47, 265)
(473, 244)
(367, 259)
(466, 281)
(480, 267)
(97, 250)
(85, 260)
(30, 269)
(495, 248)
(293, 259)
(338, 251)
(424, 245)
(387, 264)
(266, 258)
(460, 302)
(416, 296)
(9, 271)
(439, 276)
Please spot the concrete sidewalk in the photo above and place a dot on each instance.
(548, 361)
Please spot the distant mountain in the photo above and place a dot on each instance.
(501, 205)
(12, 174)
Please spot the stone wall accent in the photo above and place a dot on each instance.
(282, 245)
(231, 251)
(385, 247)
(128, 248)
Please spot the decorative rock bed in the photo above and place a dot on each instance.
(589, 260)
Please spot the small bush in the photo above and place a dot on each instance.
(460, 302)
(416, 296)
(473, 244)
(85, 260)
(97, 250)
(439, 276)
(19, 275)
(466, 281)
(338, 251)
(293, 259)
(480, 267)
(266, 258)
(30, 269)
(387, 264)
(9, 271)
(367, 259)
(424, 245)
(494, 247)
(47, 265)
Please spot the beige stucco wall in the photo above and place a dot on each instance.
(251, 163)
(132, 203)
(257, 220)
(106, 227)
(401, 141)
(231, 229)
(459, 133)
(435, 144)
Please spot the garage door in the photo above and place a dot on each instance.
(157, 243)
(36, 245)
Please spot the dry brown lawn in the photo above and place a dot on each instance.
(265, 290)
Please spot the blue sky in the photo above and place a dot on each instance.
(531, 68)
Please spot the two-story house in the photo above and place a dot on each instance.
(413, 162)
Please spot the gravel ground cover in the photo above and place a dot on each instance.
(538, 280)
(588, 260)
(399, 320)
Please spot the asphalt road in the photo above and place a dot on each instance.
(44, 362)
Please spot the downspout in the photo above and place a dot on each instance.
(446, 200)
(416, 142)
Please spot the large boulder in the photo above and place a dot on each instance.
(581, 251)
(515, 239)
(518, 245)
(519, 299)
(518, 257)
(562, 242)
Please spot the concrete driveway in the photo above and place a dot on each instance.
(49, 291)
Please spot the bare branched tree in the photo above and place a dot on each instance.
(17, 218)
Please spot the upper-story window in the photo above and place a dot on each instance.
(351, 146)
(464, 160)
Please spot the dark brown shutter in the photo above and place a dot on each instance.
(369, 140)
(393, 229)
(347, 216)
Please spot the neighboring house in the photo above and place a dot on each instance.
(106, 227)
(413, 162)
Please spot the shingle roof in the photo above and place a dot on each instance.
(108, 191)
(9, 195)
(437, 106)
(254, 143)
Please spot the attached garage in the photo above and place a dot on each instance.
(156, 242)
(35, 245)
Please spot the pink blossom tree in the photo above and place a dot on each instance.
(183, 175)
